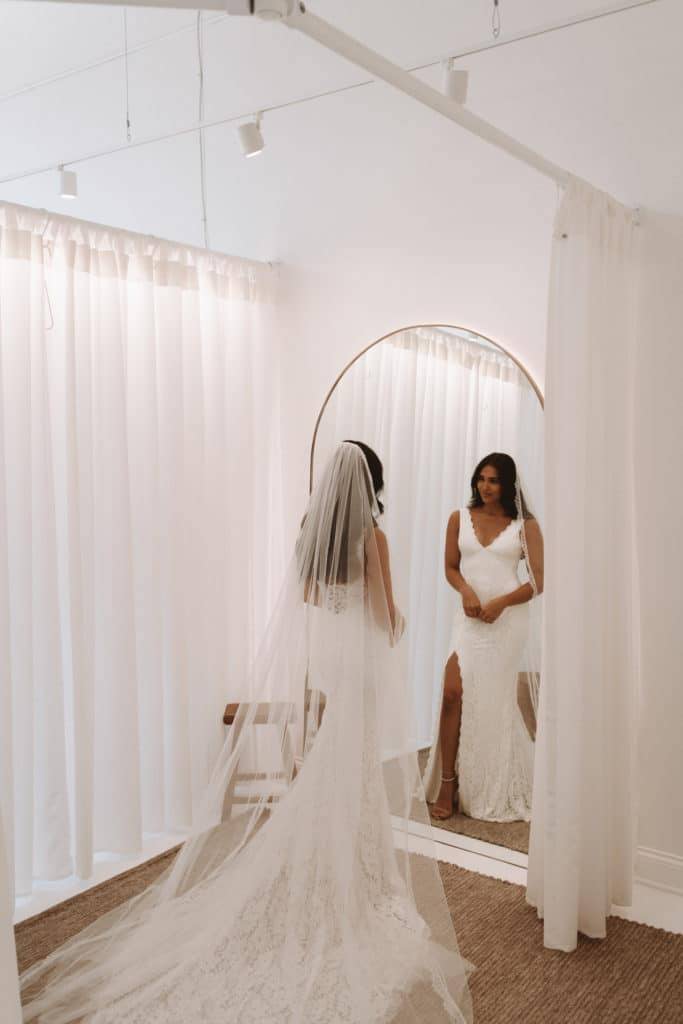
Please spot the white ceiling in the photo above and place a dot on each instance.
(602, 99)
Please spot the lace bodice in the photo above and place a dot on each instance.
(338, 597)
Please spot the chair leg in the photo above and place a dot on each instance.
(289, 760)
(229, 798)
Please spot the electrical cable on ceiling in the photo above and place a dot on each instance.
(151, 140)
(111, 59)
(495, 19)
(129, 133)
(522, 37)
(202, 155)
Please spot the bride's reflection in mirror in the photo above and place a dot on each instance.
(482, 759)
(457, 423)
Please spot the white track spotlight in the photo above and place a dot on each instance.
(68, 183)
(250, 136)
(454, 81)
(272, 10)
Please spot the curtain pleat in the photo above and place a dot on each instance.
(140, 528)
(583, 819)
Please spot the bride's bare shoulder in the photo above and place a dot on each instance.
(532, 528)
(380, 538)
(454, 520)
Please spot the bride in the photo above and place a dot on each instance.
(307, 905)
(481, 728)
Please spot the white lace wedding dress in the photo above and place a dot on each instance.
(495, 755)
(243, 976)
(310, 910)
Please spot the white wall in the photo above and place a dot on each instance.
(660, 525)
(419, 223)
(351, 304)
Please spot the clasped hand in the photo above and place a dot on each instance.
(474, 609)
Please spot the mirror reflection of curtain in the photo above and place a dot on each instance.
(432, 402)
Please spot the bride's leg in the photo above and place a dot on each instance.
(449, 734)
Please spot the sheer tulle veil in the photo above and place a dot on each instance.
(530, 669)
(296, 898)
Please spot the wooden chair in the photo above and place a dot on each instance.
(249, 780)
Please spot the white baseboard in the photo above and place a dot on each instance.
(656, 905)
(657, 890)
(462, 858)
(660, 870)
(106, 866)
(444, 837)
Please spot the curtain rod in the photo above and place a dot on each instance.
(379, 67)
(17, 211)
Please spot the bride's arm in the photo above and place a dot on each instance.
(470, 601)
(534, 545)
(379, 579)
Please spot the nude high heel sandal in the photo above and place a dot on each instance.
(440, 813)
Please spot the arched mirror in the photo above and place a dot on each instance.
(432, 401)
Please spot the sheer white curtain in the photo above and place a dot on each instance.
(582, 835)
(9, 982)
(139, 527)
(432, 402)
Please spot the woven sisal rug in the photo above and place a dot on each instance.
(634, 976)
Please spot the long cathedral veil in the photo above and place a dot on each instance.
(296, 897)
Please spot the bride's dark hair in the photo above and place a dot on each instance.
(340, 560)
(504, 466)
(376, 470)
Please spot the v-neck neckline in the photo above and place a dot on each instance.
(500, 533)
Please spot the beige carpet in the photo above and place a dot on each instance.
(514, 835)
(37, 936)
(634, 976)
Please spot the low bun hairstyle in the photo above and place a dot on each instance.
(376, 470)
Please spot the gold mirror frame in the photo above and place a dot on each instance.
(413, 327)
